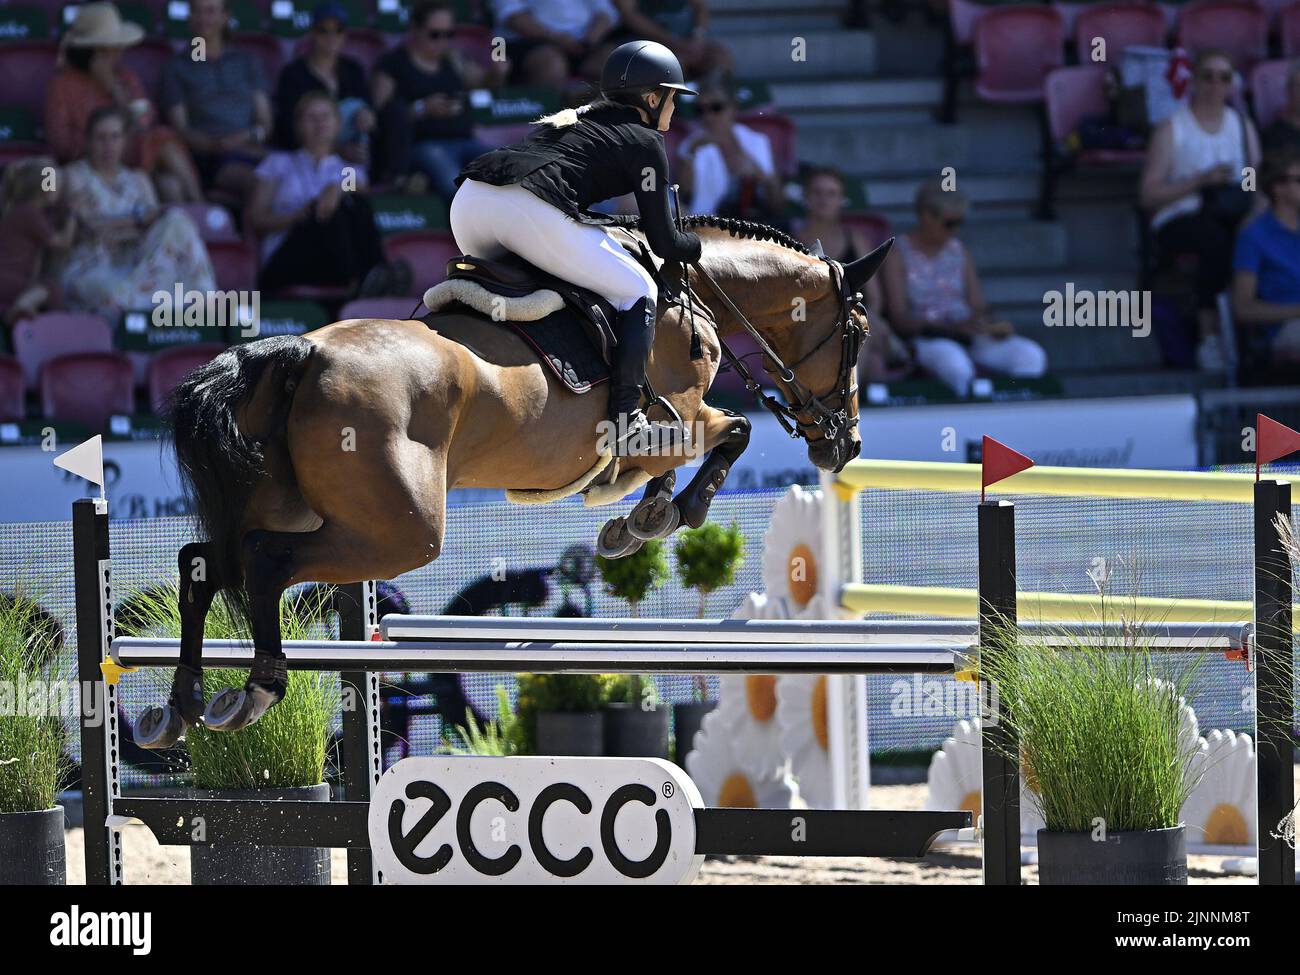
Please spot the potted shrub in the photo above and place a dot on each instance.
(492, 738)
(707, 559)
(635, 723)
(1107, 748)
(560, 714)
(32, 739)
(281, 757)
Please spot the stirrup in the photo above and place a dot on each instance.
(638, 436)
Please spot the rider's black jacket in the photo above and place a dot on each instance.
(609, 152)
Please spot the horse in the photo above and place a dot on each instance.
(327, 457)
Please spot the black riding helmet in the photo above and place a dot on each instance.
(637, 68)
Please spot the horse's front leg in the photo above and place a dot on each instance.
(726, 435)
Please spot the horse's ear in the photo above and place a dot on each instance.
(859, 272)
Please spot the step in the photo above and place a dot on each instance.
(834, 53)
(861, 96)
(1153, 382)
(1002, 143)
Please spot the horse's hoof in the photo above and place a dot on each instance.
(160, 727)
(654, 518)
(234, 709)
(615, 541)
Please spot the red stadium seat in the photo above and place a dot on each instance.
(1015, 48)
(427, 251)
(1121, 25)
(170, 366)
(88, 388)
(876, 228)
(26, 68)
(45, 337)
(235, 264)
(1072, 94)
(147, 59)
(780, 131)
(213, 221)
(12, 390)
(400, 309)
(503, 135)
(1289, 28)
(475, 42)
(365, 44)
(1236, 27)
(1268, 83)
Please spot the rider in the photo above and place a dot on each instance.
(532, 198)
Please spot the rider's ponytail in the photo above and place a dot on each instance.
(570, 116)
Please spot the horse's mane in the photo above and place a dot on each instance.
(747, 229)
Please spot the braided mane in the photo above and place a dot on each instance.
(747, 229)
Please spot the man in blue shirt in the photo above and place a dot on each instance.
(1266, 285)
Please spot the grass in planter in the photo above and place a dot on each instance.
(288, 745)
(33, 760)
(496, 738)
(1100, 730)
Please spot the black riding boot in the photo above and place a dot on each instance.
(634, 434)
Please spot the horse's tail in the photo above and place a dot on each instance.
(220, 458)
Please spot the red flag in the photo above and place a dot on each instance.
(1000, 462)
(1272, 440)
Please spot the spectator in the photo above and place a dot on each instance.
(128, 247)
(935, 300)
(34, 230)
(1191, 186)
(324, 67)
(680, 25)
(93, 76)
(550, 41)
(421, 89)
(729, 168)
(1284, 131)
(1266, 285)
(218, 101)
(884, 355)
(310, 206)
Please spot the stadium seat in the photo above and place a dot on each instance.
(503, 135)
(213, 222)
(235, 264)
(395, 308)
(366, 45)
(88, 388)
(1073, 94)
(45, 337)
(26, 68)
(475, 42)
(875, 227)
(1236, 27)
(1289, 28)
(1268, 82)
(12, 390)
(780, 131)
(1069, 13)
(147, 59)
(427, 251)
(265, 48)
(1015, 48)
(1121, 25)
(170, 366)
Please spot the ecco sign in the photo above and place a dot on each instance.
(534, 820)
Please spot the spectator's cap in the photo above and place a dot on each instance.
(639, 66)
(100, 25)
(328, 11)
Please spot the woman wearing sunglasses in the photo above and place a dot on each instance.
(1192, 187)
(729, 168)
(935, 300)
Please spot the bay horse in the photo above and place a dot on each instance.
(327, 457)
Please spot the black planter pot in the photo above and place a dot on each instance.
(632, 732)
(570, 732)
(31, 848)
(687, 719)
(1143, 857)
(248, 864)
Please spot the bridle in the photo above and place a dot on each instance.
(827, 413)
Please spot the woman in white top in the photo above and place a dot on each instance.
(1205, 145)
(730, 170)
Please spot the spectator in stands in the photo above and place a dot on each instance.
(218, 102)
(34, 231)
(1266, 284)
(884, 355)
(128, 247)
(1284, 131)
(311, 209)
(680, 25)
(421, 90)
(324, 67)
(93, 76)
(1191, 184)
(550, 41)
(935, 300)
(729, 168)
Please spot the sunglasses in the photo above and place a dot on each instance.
(439, 35)
(709, 108)
(1222, 77)
(952, 223)
(329, 31)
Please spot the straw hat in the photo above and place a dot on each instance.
(100, 25)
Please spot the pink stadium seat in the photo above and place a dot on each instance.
(875, 228)
(1015, 48)
(502, 135)
(1237, 27)
(475, 42)
(12, 389)
(427, 251)
(1069, 13)
(1268, 89)
(170, 366)
(1122, 25)
(88, 388)
(1072, 94)
(26, 68)
(147, 60)
(780, 131)
(396, 308)
(213, 221)
(45, 337)
(1289, 28)
(962, 15)
(365, 44)
(235, 264)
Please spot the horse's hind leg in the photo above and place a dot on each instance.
(162, 727)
